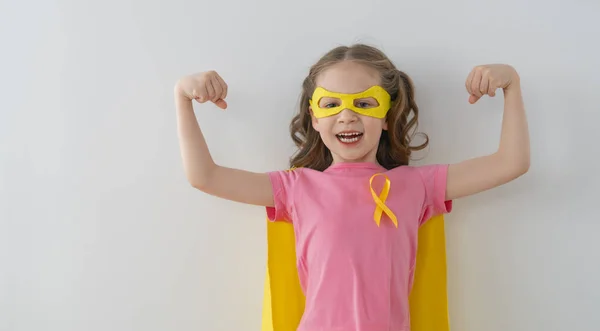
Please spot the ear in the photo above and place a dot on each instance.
(314, 120)
(385, 124)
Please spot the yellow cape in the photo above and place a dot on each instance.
(283, 302)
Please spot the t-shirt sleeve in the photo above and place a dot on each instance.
(283, 183)
(434, 179)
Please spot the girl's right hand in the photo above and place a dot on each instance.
(203, 87)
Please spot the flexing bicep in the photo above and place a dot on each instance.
(239, 185)
(512, 157)
(480, 174)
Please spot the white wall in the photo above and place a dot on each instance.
(100, 231)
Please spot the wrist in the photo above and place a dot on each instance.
(514, 88)
(515, 81)
(183, 103)
(179, 93)
(180, 97)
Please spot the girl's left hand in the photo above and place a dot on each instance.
(485, 79)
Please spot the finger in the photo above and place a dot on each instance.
(217, 88)
(210, 89)
(221, 104)
(468, 81)
(473, 99)
(201, 94)
(223, 86)
(475, 83)
(491, 90)
(485, 83)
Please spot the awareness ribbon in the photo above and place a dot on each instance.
(380, 201)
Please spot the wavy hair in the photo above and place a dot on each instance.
(395, 143)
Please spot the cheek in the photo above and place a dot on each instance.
(315, 122)
(375, 125)
(324, 125)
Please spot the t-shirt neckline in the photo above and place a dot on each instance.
(354, 165)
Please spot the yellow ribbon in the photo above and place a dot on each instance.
(380, 201)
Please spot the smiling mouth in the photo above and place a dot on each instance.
(349, 137)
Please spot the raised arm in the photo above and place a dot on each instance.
(511, 160)
(200, 169)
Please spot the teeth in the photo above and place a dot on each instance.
(349, 137)
(348, 140)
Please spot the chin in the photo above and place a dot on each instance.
(350, 151)
(358, 156)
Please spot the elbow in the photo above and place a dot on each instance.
(519, 167)
(513, 166)
(201, 182)
(525, 166)
(524, 163)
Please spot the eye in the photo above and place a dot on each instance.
(366, 103)
(329, 103)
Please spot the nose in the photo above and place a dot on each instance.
(347, 116)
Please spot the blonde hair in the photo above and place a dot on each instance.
(395, 143)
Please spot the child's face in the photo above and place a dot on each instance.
(351, 137)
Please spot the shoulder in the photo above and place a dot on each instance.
(290, 174)
(421, 172)
(287, 185)
(288, 178)
(428, 183)
(430, 177)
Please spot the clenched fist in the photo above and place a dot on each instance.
(485, 79)
(203, 87)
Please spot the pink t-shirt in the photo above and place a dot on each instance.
(355, 275)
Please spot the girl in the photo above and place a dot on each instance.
(353, 200)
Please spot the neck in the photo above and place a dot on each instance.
(369, 158)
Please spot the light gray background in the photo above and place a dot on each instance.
(100, 230)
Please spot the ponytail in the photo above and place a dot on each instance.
(395, 144)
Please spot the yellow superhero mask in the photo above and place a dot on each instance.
(376, 100)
